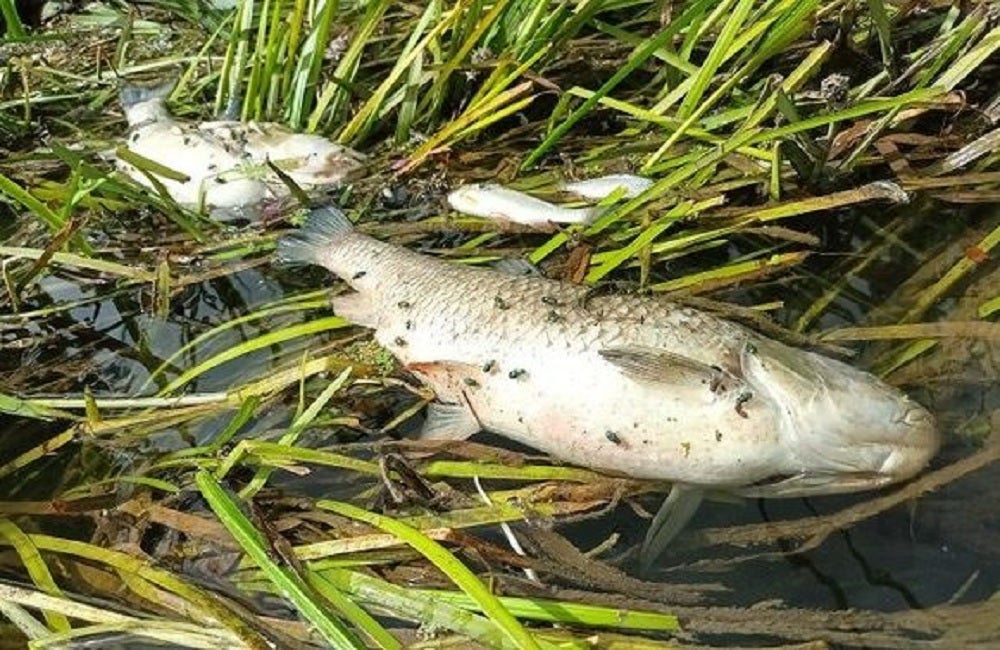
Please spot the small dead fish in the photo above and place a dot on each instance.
(604, 186)
(690, 398)
(492, 201)
(226, 162)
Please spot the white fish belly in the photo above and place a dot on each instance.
(578, 407)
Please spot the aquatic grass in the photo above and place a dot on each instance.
(405, 604)
(211, 610)
(105, 621)
(158, 414)
(129, 273)
(12, 21)
(335, 98)
(447, 563)
(303, 303)
(892, 360)
(30, 409)
(286, 579)
(553, 611)
(257, 343)
(460, 469)
(25, 198)
(278, 454)
(732, 273)
(638, 57)
(752, 171)
(963, 267)
(478, 116)
(970, 61)
(453, 610)
(887, 239)
(303, 419)
(37, 570)
(974, 330)
(412, 54)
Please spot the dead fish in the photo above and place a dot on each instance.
(602, 187)
(688, 397)
(225, 161)
(493, 201)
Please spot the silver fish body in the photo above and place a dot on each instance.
(601, 187)
(622, 383)
(493, 201)
(225, 161)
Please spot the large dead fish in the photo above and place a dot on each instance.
(226, 161)
(622, 383)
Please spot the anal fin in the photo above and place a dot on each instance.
(675, 513)
(357, 308)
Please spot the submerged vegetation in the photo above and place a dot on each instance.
(195, 450)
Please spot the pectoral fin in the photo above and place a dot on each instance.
(449, 422)
(653, 364)
(450, 418)
(675, 513)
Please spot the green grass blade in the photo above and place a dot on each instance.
(260, 342)
(285, 580)
(638, 57)
(448, 564)
(15, 28)
(38, 571)
(24, 197)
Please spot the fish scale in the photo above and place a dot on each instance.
(527, 315)
(628, 384)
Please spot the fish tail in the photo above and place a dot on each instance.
(308, 245)
(131, 95)
(591, 214)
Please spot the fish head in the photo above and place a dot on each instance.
(468, 199)
(845, 430)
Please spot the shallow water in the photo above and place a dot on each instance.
(945, 547)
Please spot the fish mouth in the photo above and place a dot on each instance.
(815, 483)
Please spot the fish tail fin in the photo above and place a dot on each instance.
(130, 94)
(308, 245)
(233, 108)
(592, 214)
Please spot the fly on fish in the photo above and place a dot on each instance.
(623, 383)
(223, 164)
